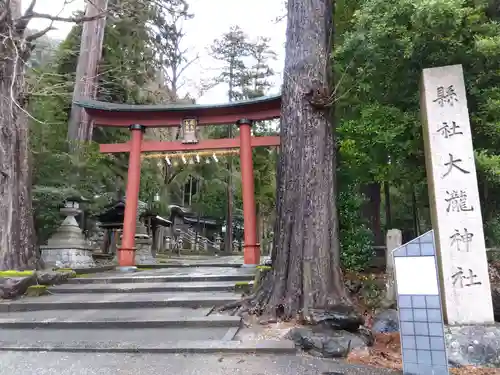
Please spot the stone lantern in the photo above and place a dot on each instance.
(143, 245)
(68, 248)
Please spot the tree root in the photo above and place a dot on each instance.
(339, 313)
(257, 302)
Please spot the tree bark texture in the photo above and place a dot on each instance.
(17, 249)
(80, 126)
(306, 280)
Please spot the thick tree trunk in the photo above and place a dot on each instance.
(305, 274)
(80, 126)
(306, 280)
(17, 249)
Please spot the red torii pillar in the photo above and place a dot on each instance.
(251, 246)
(126, 252)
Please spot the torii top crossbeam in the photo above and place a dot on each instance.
(124, 115)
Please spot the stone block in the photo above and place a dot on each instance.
(474, 345)
(67, 257)
(143, 252)
(454, 197)
(13, 287)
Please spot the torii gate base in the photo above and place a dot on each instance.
(137, 118)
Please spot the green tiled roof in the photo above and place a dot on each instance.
(171, 107)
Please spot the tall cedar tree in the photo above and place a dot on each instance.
(17, 249)
(260, 71)
(306, 280)
(231, 49)
(170, 37)
(17, 242)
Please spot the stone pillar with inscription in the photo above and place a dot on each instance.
(454, 197)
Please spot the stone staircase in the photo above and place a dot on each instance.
(197, 240)
(166, 310)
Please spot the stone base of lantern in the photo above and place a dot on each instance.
(143, 254)
(65, 257)
(143, 246)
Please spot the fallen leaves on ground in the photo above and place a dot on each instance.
(386, 353)
(494, 272)
(469, 370)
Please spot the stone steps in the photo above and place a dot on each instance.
(90, 315)
(184, 347)
(156, 311)
(175, 264)
(135, 337)
(160, 279)
(181, 322)
(119, 301)
(195, 286)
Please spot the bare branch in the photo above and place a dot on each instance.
(22, 22)
(31, 7)
(40, 33)
(180, 86)
(187, 65)
(167, 73)
(67, 19)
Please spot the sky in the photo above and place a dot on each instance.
(211, 19)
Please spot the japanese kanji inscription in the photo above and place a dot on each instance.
(189, 130)
(454, 197)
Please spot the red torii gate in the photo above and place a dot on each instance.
(140, 117)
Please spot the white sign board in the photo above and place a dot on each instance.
(419, 268)
(453, 190)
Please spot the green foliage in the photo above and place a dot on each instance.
(169, 40)
(126, 69)
(381, 50)
(492, 232)
(235, 51)
(355, 237)
(44, 51)
(372, 291)
(232, 49)
(246, 73)
(59, 175)
(260, 71)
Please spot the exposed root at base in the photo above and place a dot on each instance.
(256, 303)
(264, 304)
